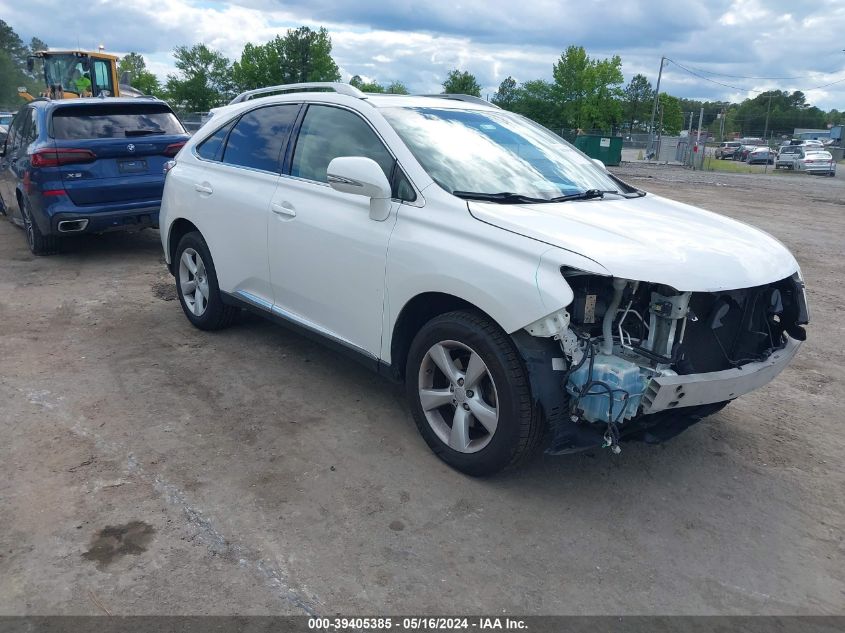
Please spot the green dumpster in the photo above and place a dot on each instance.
(608, 149)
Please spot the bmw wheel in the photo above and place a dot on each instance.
(469, 393)
(196, 285)
(38, 243)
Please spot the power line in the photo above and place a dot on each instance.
(700, 76)
(692, 72)
(714, 73)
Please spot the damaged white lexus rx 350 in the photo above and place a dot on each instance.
(522, 293)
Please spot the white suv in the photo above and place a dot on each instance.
(522, 293)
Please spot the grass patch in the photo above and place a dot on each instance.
(735, 167)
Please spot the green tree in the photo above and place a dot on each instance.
(637, 101)
(139, 76)
(308, 56)
(536, 100)
(204, 80)
(260, 65)
(673, 116)
(298, 56)
(371, 86)
(506, 95)
(13, 46)
(396, 88)
(36, 45)
(461, 83)
(13, 70)
(133, 63)
(9, 81)
(589, 90)
(786, 111)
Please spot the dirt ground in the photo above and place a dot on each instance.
(147, 467)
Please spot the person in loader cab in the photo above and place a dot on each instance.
(81, 83)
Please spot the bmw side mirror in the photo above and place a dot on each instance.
(600, 164)
(362, 177)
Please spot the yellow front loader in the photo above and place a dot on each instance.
(74, 74)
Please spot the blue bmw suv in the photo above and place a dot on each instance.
(86, 166)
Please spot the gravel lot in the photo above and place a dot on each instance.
(148, 467)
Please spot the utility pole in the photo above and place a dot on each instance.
(768, 109)
(659, 135)
(654, 107)
(698, 138)
(689, 139)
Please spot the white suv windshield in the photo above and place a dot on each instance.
(495, 152)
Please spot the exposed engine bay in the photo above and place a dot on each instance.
(633, 349)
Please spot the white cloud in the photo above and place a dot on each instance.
(418, 43)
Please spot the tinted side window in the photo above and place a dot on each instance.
(22, 136)
(32, 132)
(102, 78)
(328, 133)
(15, 128)
(401, 187)
(259, 136)
(212, 147)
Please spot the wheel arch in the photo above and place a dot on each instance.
(416, 312)
(178, 229)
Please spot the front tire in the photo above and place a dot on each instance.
(470, 395)
(196, 285)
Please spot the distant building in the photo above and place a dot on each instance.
(808, 134)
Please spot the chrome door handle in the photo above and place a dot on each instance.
(284, 208)
(203, 188)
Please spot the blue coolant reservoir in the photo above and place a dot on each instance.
(617, 373)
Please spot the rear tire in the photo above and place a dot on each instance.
(39, 244)
(484, 388)
(196, 285)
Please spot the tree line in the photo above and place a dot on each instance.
(584, 93)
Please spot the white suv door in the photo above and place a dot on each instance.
(233, 184)
(327, 257)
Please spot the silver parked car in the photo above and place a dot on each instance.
(761, 155)
(817, 162)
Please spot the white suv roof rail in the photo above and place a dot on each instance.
(461, 97)
(336, 86)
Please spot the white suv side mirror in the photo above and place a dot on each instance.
(600, 164)
(361, 176)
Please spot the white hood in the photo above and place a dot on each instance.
(652, 239)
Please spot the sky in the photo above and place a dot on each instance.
(753, 45)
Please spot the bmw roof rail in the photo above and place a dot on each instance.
(460, 97)
(336, 86)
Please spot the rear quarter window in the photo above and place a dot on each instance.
(114, 121)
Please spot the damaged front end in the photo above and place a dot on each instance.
(637, 360)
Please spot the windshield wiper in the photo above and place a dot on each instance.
(142, 132)
(507, 197)
(502, 197)
(589, 194)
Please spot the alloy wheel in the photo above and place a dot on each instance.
(458, 396)
(27, 227)
(193, 281)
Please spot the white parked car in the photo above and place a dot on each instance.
(788, 155)
(816, 161)
(523, 294)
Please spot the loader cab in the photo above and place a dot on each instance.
(62, 71)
